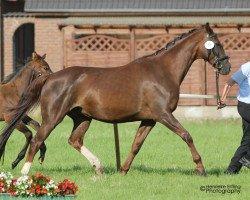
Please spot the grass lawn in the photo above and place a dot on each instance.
(163, 169)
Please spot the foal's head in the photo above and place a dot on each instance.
(212, 51)
(38, 65)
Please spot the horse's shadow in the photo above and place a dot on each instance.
(176, 170)
(109, 170)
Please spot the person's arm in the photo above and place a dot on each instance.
(227, 89)
(225, 92)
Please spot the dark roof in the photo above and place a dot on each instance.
(137, 5)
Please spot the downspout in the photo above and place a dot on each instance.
(1, 43)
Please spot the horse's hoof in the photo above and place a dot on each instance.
(41, 159)
(123, 171)
(200, 172)
(14, 164)
(99, 171)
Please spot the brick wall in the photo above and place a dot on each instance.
(48, 39)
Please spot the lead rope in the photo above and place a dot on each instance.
(219, 102)
(217, 88)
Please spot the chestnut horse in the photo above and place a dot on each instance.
(145, 90)
(11, 90)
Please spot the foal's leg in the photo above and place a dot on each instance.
(35, 125)
(141, 135)
(169, 120)
(31, 122)
(28, 135)
(81, 125)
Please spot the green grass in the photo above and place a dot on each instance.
(163, 169)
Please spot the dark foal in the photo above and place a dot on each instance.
(11, 90)
(145, 90)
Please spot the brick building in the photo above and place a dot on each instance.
(109, 33)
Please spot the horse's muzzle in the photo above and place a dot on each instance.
(225, 67)
(225, 70)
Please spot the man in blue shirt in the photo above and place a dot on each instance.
(242, 154)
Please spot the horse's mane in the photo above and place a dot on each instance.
(21, 66)
(171, 43)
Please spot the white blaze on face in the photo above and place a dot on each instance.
(94, 161)
(26, 168)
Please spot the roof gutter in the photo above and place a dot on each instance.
(105, 13)
(223, 10)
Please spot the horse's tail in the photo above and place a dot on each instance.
(29, 99)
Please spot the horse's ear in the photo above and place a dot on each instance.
(34, 56)
(208, 29)
(44, 56)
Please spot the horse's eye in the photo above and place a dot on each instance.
(46, 68)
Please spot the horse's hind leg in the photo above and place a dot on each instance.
(35, 125)
(169, 120)
(51, 117)
(36, 143)
(141, 135)
(81, 125)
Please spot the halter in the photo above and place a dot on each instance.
(218, 66)
(217, 63)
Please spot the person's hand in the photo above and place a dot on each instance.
(221, 105)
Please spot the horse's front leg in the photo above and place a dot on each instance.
(141, 135)
(35, 125)
(172, 123)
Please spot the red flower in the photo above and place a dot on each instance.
(32, 190)
(14, 180)
(48, 178)
(38, 175)
(57, 190)
(37, 187)
(67, 187)
(44, 191)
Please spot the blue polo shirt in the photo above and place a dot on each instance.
(242, 77)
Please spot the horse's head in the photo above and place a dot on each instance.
(214, 53)
(39, 65)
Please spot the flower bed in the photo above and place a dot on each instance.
(37, 186)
